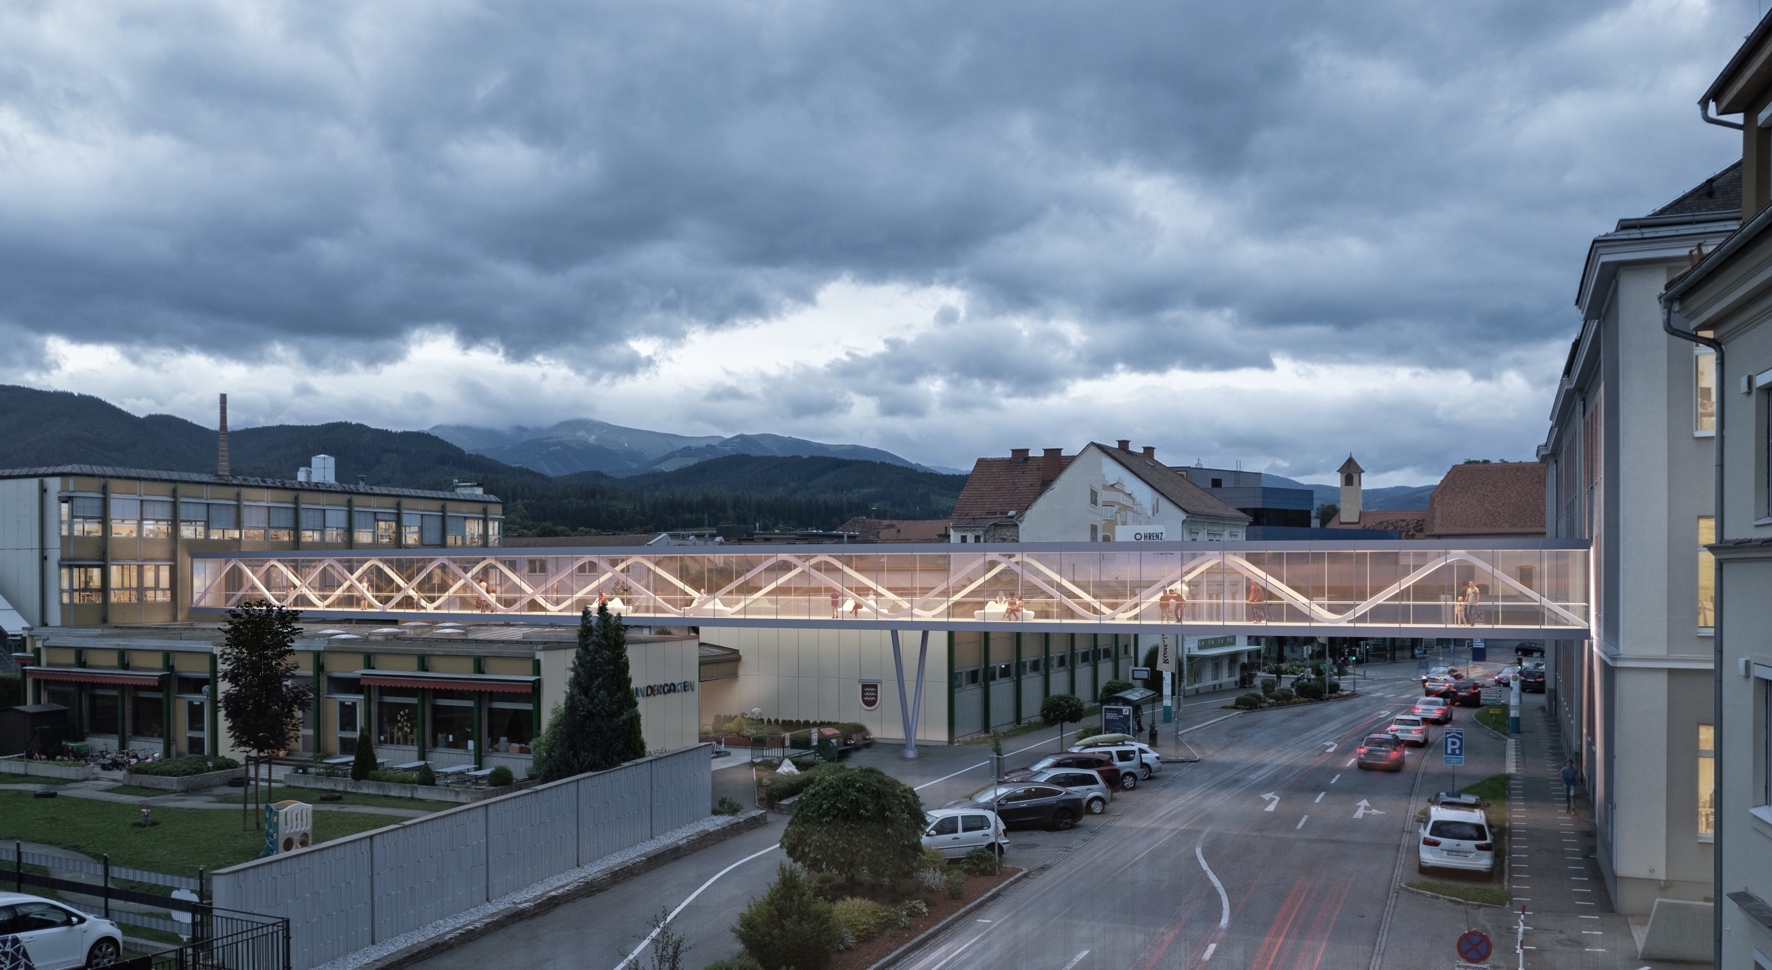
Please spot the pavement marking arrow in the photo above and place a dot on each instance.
(1330, 749)
(1365, 808)
(1273, 800)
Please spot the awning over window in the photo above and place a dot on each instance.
(498, 683)
(97, 675)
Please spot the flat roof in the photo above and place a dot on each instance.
(239, 481)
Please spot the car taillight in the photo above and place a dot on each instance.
(1485, 846)
(1426, 840)
(1396, 752)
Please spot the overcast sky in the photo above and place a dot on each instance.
(1268, 233)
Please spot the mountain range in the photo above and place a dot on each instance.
(1393, 498)
(587, 445)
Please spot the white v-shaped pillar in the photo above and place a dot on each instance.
(910, 710)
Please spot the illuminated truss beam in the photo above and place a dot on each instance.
(1531, 588)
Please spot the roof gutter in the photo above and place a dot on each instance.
(1710, 119)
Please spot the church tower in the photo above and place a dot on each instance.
(1350, 472)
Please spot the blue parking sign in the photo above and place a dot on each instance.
(1455, 747)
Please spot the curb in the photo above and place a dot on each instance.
(921, 938)
(588, 886)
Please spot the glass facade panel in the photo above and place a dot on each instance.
(452, 719)
(104, 712)
(147, 713)
(396, 716)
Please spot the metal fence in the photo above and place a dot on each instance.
(350, 893)
(103, 885)
(227, 940)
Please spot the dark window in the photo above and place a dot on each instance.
(41, 916)
(977, 823)
(1218, 483)
(946, 826)
(1459, 831)
(1044, 792)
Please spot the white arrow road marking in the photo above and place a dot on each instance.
(1273, 800)
(1384, 714)
(1330, 749)
(1365, 808)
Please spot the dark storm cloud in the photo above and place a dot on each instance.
(1134, 187)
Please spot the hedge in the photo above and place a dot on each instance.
(183, 767)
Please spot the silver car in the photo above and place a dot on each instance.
(1095, 791)
(953, 832)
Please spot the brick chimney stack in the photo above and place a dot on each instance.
(1020, 454)
(221, 458)
(1051, 463)
(1150, 451)
(1125, 444)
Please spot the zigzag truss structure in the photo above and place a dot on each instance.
(1527, 588)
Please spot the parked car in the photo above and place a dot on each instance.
(1532, 680)
(1466, 692)
(1134, 759)
(1027, 804)
(1436, 709)
(1408, 729)
(1382, 752)
(57, 936)
(1456, 838)
(1094, 788)
(953, 832)
(1096, 761)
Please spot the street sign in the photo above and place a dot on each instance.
(1455, 747)
(1140, 674)
(1474, 947)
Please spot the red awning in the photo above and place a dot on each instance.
(506, 685)
(89, 675)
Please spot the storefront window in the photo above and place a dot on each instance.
(103, 712)
(196, 728)
(147, 713)
(396, 716)
(452, 719)
(509, 727)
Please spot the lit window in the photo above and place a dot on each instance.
(126, 516)
(410, 527)
(338, 525)
(1705, 383)
(282, 523)
(457, 530)
(384, 528)
(82, 584)
(494, 529)
(476, 535)
(156, 518)
(224, 521)
(258, 521)
(193, 520)
(157, 582)
(83, 516)
(125, 583)
(1707, 783)
(1707, 593)
(313, 525)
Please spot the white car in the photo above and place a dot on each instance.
(1408, 729)
(953, 832)
(1457, 838)
(56, 936)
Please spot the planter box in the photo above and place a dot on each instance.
(46, 769)
(435, 793)
(208, 779)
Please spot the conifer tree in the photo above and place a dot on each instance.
(599, 723)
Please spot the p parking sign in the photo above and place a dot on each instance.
(1455, 747)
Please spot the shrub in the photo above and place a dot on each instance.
(185, 767)
(1268, 684)
(789, 926)
(425, 775)
(500, 777)
(858, 822)
(1311, 690)
(394, 777)
(1335, 687)
(933, 859)
(780, 788)
(363, 764)
(736, 963)
(956, 883)
(911, 909)
(726, 806)
(865, 919)
(12, 690)
(1292, 668)
(1113, 687)
(981, 862)
(1283, 695)
(1086, 731)
(1248, 702)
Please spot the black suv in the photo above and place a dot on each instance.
(1532, 680)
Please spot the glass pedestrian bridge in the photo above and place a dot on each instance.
(1491, 588)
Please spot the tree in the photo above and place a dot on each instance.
(1155, 680)
(1327, 511)
(262, 701)
(599, 723)
(364, 762)
(790, 926)
(1059, 710)
(861, 824)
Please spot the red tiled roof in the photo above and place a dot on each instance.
(999, 486)
(1411, 523)
(897, 530)
(1503, 498)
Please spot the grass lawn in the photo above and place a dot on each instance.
(185, 839)
(312, 797)
(1493, 718)
(1492, 789)
(1494, 895)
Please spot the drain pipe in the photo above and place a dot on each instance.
(1667, 324)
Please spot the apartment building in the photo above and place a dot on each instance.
(1627, 464)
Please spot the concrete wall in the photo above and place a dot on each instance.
(21, 566)
(350, 893)
(816, 674)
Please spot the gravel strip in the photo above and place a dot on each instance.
(532, 900)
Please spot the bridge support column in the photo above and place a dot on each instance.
(910, 710)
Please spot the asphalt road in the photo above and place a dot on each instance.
(1196, 868)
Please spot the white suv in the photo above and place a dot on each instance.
(1134, 758)
(953, 832)
(1457, 838)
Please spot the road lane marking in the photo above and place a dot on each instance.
(1350, 761)
(630, 958)
(1364, 808)
(1301, 823)
(1209, 948)
(1224, 899)
(1335, 779)
(1076, 960)
(1273, 800)
(1320, 796)
(1330, 749)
